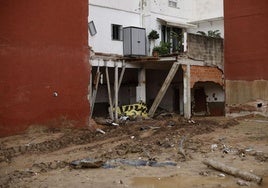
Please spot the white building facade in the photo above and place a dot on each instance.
(164, 16)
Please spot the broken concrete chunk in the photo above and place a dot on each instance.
(100, 131)
(203, 173)
(87, 163)
(93, 163)
(243, 183)
(213, 147)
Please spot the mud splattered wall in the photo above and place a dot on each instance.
(44, 71)
(246, 51)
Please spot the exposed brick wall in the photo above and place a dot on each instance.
(203, 74)
(207, 49)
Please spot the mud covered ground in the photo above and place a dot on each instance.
(41, 156)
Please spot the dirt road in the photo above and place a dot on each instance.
(41, 157)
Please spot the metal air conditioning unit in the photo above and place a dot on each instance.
(134, 41)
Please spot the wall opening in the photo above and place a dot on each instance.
(200, 104)
(208, 99)
(171, 102)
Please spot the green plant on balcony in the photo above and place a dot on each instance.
(153, 35)
(162, 49)
(177, 42)
(210, 33)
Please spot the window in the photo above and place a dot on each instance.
(117, 32)
(172, 3)
(174, 36)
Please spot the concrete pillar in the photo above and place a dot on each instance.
(109, 93)
(181, 98)
(116, 91)
(141, 88)
(187, 92)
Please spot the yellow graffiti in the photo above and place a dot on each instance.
(133, 110)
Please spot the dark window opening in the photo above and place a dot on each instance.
(172, 3)
(174, 36)
(117, 32)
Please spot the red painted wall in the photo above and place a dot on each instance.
(43, 49)
(246, 39)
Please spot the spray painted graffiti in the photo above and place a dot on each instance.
(133, 110)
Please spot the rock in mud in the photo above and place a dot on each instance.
(243, 183)
(87, 163)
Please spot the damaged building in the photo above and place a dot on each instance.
(49, 74)
(187, 78)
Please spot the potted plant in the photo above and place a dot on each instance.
(162, 49)
(210, 33)
(156, 51)
(153, 35)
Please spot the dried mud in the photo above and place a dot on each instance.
(41, 152)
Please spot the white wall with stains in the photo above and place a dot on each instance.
(145, 13)
(206, 9)
(103, 17)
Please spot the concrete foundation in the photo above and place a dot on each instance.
(246, 96)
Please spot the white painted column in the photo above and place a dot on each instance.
(141, 88)
(187, 92)
(185, 42)
(116, 91)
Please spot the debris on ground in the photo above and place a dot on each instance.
(181, 147)
(233, 171)
(44, 156)
(213, 147)
(101, 131)
(112, 163)
(243, 183)
(86, 163)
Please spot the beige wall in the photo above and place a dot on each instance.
(239, 92)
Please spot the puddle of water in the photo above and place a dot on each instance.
(191, 181)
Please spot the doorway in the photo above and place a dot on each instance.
(200, 105)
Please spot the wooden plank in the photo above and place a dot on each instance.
(120, 81)
(109, 94)
(95, 90)
(164, 88)
(233, 171)
(121, 76)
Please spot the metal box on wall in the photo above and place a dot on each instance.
(134, 41)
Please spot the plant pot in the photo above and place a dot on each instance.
(155, 53)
